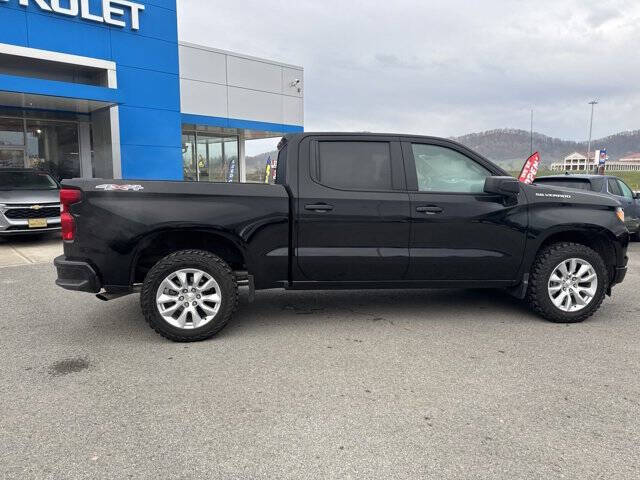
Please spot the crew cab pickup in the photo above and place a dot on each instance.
(347, 211)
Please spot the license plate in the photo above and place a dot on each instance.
(37, 223)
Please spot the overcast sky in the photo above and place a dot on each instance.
(443, 67)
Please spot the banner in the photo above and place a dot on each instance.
(602, 157)
(268, 170)
(530, 169)
(232, 171)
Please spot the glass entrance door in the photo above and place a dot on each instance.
(53, 147)
(210, 158)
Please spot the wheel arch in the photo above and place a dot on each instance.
(596, 237)
(156, 245)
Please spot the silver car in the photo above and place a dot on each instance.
(29, 202)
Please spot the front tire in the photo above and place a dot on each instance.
(568, 283)
(189, 296)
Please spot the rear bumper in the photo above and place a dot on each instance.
(77, 276)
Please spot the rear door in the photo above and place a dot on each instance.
(353, 210)
(459, 233)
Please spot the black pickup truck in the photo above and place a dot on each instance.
(347, 211)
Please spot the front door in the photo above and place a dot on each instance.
(353, 210)
(459, 233)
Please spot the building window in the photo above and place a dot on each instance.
(46, 145)
(210, 158)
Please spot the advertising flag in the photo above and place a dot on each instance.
(232, 171)
(602, 160)
(530, 169)
(268, 170)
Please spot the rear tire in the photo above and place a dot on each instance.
(180, 278)
(543, 288)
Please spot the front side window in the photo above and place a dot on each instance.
(441, 169)
(614, 188)
(354, 165)
(626, 191)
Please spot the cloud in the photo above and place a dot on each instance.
(443, 67)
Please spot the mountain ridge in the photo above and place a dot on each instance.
(510, 147)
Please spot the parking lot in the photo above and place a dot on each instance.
(366, 384)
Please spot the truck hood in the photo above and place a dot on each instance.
(29, 196)
(541, 193)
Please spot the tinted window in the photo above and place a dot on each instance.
(354, 165)
(441, 169)
(614, 188)
(562, 183)
(26, 181)
(626, 191)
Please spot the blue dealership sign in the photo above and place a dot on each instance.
(141, 38)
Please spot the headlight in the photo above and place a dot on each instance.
(620, 214)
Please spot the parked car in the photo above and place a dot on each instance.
(29, 202)
(608, 185)
(348, 211)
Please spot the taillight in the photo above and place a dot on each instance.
(67, 198)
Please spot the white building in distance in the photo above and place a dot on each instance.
(577, 162)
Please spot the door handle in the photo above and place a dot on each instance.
(319, 207)
(429, 210)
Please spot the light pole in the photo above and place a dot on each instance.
(531, 134)
(593, 103)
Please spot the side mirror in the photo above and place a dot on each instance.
(636, 195)
(508, 186)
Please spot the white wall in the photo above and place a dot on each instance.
(217, 83)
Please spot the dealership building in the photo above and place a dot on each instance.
(106, 89)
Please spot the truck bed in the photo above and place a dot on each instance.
(118, 222)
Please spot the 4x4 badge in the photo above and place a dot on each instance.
(124, 188)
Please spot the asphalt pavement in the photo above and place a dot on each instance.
(312, 385)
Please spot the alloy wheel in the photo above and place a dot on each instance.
(189, 298)
(573, 284)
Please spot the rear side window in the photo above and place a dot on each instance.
(577, 184)
(614, 188)
(354, 165)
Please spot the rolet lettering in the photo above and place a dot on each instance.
(113, 11)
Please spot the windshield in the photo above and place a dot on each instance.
(26, 181)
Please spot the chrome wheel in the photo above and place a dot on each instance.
(188, 299)
(573, 284)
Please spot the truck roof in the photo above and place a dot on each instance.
(299, 136)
